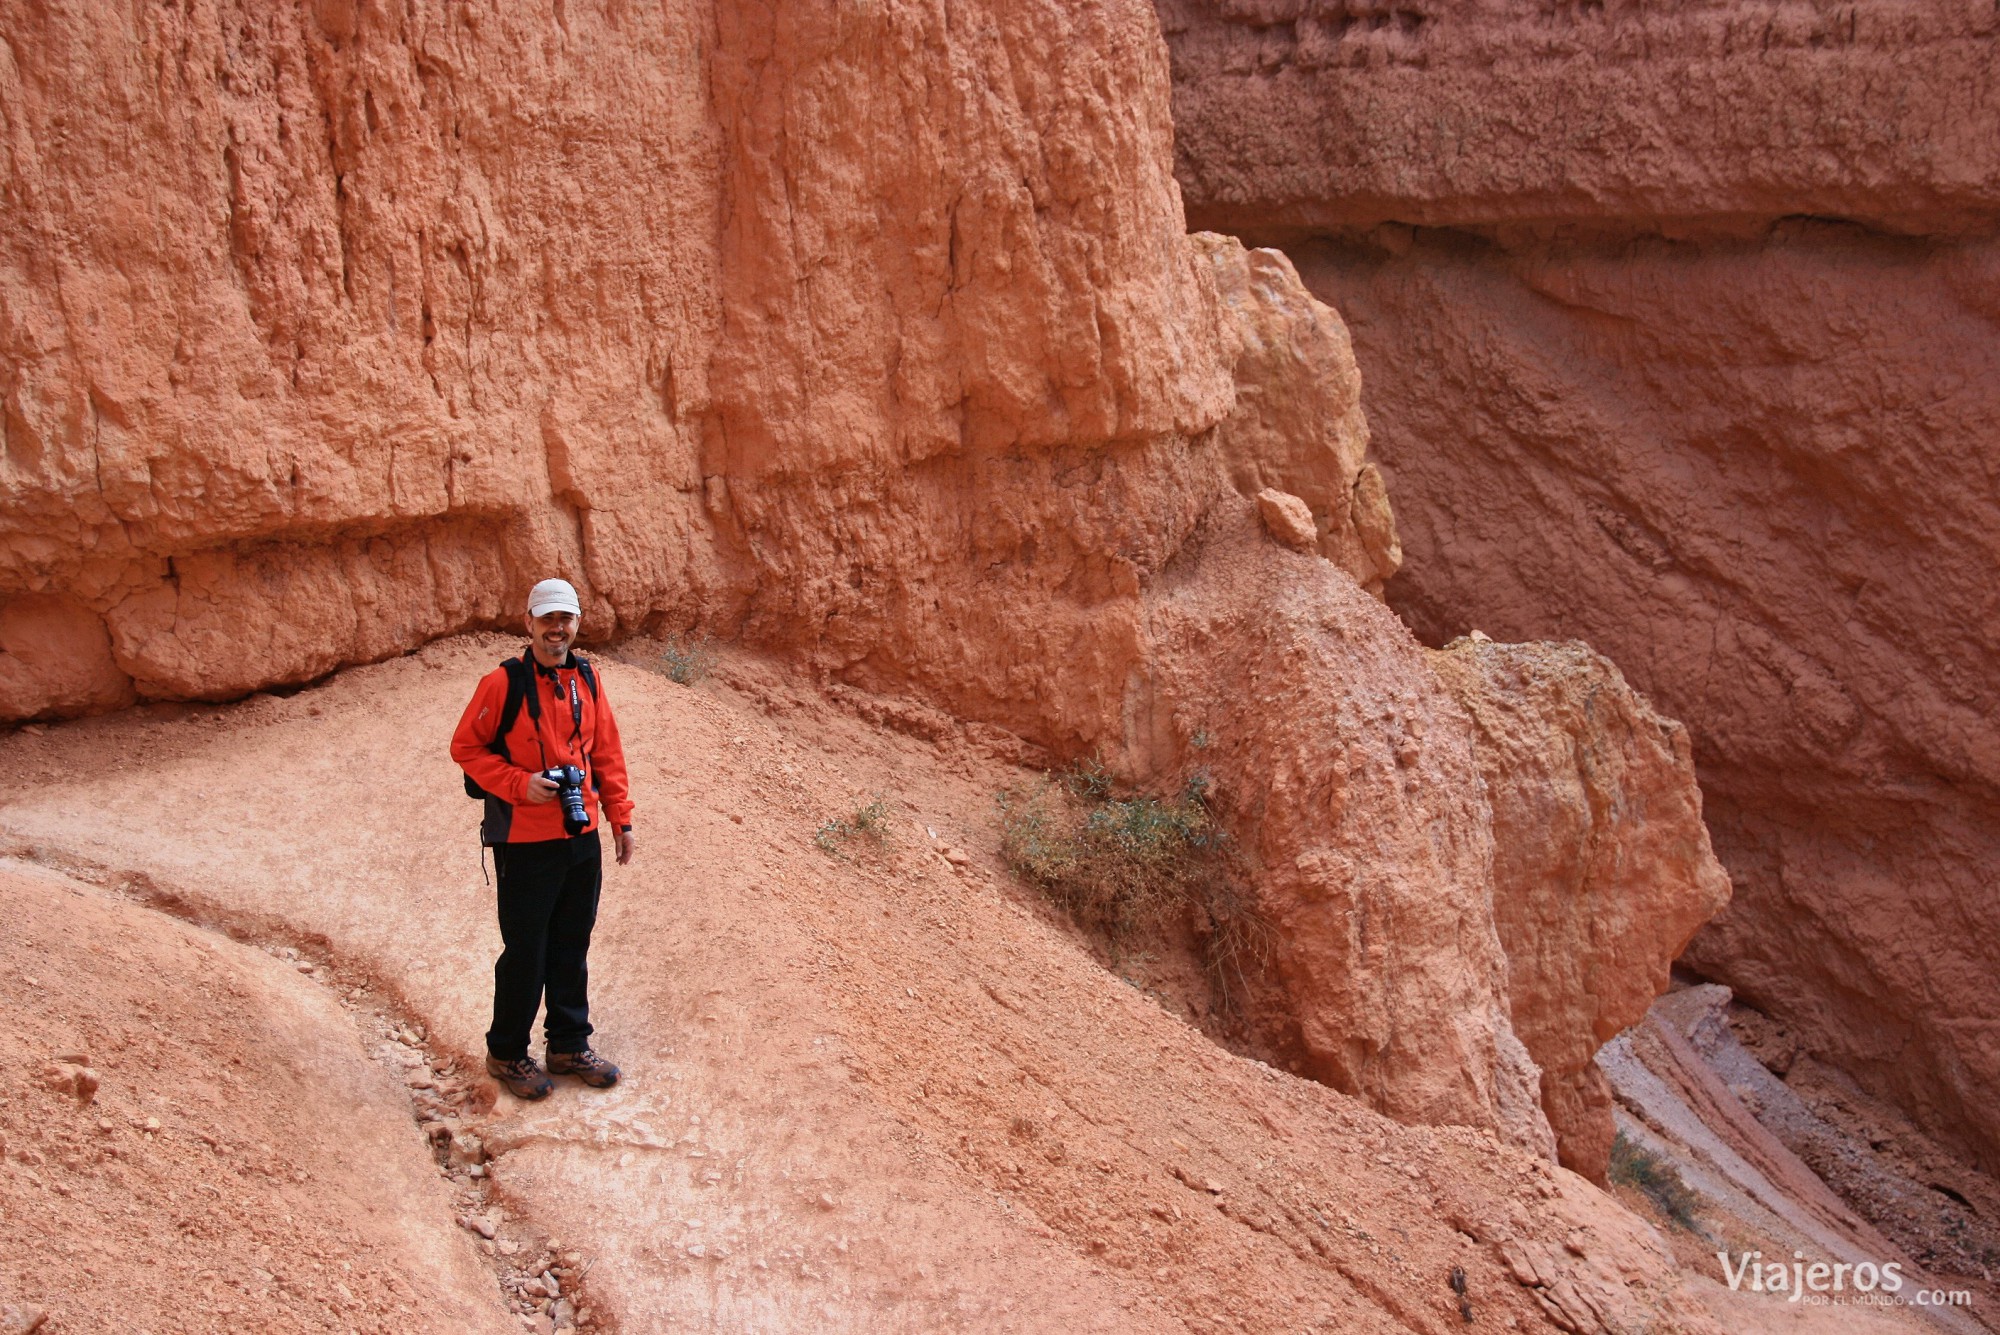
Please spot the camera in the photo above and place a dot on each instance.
(568, 780)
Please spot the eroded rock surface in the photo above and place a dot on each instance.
(1601, 865)
(1349, 771)
(1767, 1173)
(873, 336)
(1678, 332)
(1296, 427)
(381, 314)
(327, 328)
(1449, 113)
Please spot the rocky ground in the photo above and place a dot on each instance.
(196, 1139)
(877, 1088)
(1733, 1141)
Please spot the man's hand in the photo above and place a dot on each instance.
(623, 840)
(540, 788)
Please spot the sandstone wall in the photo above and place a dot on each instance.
(1319, 115)
(314, 319)
(871, 335)
(1677, 334)
(1602, 868)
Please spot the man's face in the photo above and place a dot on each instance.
(553, 633)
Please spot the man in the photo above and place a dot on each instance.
(548, 869)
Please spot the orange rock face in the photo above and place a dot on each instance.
(1677, 332)
(1296, 428)
(303, 307)
(328, 330)
(1472, 113)
(872, 335)
(1349, 769)
(340, 325)
(1601, 865)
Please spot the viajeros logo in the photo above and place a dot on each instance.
(1800, 1280)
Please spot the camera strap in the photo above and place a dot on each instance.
(533, 701)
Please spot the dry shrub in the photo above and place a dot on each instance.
(687, 658)
(1119, 865)
(871, 822)
(1634, 1166)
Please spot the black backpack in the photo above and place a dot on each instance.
(520, 691)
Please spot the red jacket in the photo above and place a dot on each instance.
(592, 746)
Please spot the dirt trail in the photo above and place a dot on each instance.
(866, 1092)
(238, 1164)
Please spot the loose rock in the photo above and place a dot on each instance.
(21, 1320)
(1289, 519)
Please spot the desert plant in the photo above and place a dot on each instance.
(870, 822)
(1117, 864)
(687, 658)
(1088, 778)
(1634, 1166)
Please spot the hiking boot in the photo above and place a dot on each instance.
(586, 1066)
(524, 1079)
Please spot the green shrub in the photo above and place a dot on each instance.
(687, 658)
(870, 822)
(1658, 1181)
(1119, 864)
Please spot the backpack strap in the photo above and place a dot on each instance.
(589, 675)
(520, 691)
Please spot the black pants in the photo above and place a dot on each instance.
(548, 904)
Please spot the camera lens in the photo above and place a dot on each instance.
(569, 791)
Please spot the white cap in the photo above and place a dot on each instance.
(553, 595)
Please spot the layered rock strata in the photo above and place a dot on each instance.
(1326, 115)
(1678, 335)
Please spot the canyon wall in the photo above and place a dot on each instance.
(871, 336)
(1678, 335)
(874, 337)
(312, 326)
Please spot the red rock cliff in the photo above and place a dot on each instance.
(872, 335)
(1677, 329)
